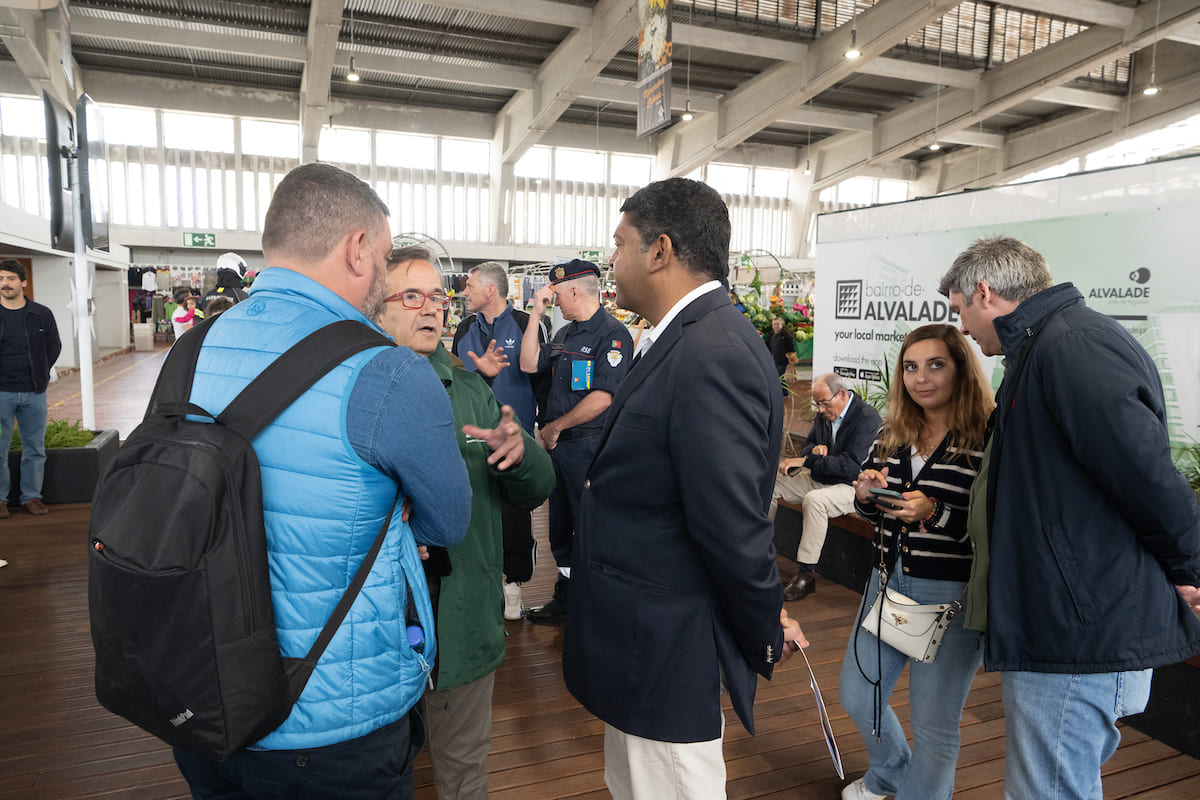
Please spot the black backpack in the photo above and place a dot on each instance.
(178, 588)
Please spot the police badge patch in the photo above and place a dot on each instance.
(614, 358)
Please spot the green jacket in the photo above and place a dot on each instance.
(470, 610)
(976, 613)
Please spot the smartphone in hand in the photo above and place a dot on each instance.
(886, 494)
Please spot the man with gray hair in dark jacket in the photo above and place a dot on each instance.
(1092, 534)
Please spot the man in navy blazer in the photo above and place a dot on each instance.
(675, 591)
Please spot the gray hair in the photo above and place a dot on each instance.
(833, 382)
(314, 207)
(412, 252)
(586, 284)
(493, 272)
(1011, 268)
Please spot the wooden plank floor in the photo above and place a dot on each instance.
(56, 743)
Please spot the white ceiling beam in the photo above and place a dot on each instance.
(1066, 137)
(921, 73)
(420, 65)
(33, 45)
(1082, 98)
(902, 131)
(174, 33)
(580, 58)
(1187, 36)
(785, 87)
(324, 24)
(733, 42)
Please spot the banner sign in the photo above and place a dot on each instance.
(654, 66)
(1126, 237)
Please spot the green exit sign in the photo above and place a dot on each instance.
(199, 240)
(595, 256)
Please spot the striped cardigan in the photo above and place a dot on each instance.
(943, 552)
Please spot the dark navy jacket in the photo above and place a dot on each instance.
(849, 451)
(44, 345)
(1090, 523)
(673, 579)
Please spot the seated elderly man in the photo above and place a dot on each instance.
(841, 435)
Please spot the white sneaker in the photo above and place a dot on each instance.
(512, 601)
(858, 791)
(3, 563)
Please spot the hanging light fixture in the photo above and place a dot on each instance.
(1152, 88)
(688, 116)
(352, 75)
(935, 145)
(808, 143)
(853, 52)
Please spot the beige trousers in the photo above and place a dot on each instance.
(821, 502)
(644, 769)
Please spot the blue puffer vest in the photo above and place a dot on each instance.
(324, 506)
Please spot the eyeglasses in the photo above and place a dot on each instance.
(414, 300)
(825, 403)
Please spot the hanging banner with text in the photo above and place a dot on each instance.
(1127, 238)
(654, 66)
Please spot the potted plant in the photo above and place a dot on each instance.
(75, 459)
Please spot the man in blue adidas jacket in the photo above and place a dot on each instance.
(331, 465)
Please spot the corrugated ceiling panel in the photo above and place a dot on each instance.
(278, 14)
(458, 18)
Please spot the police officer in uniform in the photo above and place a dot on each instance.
(587, 360)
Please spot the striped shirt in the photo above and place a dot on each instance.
(942, 551)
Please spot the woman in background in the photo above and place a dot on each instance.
(929, 449)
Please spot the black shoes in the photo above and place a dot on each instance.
(556, 610)
(800, 587)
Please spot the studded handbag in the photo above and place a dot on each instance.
(908, 626)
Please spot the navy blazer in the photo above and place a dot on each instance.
(849, 451)
(674, 572)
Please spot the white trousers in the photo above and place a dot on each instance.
(821, 501)
(644, 769)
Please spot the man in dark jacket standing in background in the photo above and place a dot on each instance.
(1093, 534)
(494, 326)
(29, 346)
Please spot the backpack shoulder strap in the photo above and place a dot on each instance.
(174, 384)
(295, 372)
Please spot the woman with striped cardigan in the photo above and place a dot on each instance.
(929, 449)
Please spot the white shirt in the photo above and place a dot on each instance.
(837, 423)
(650, 334)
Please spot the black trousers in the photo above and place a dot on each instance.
(518, 542)
(378, 766)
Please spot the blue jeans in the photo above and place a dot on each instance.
(378, 766)
(1060, 728)
(937, 691)
(29, 410)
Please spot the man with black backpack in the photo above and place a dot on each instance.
(495, 324)
(374, 431)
